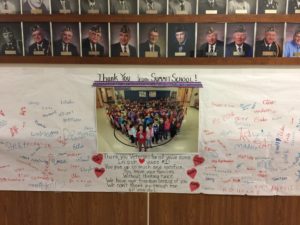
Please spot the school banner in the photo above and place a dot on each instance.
(150, 129)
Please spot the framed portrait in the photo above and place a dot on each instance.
(124, 40)
(35, 6)
(269, 39)
(212, 7)
(292, 40)
(10, 7)
(94, 39)
(182, 7)
(181, 40)
(152, 40)
(239, 40)
(37, 39)
(64, 6)
(66, 39)
(94, 6)
(242, 7)
(11, 39)
(152, 7)
(210, 40)
(123, 7)
(272, 6)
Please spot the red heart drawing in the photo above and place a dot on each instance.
(194, 186)
(192, 173)
(99, 172)
(141, 160)
(198, 160)
(98, 158)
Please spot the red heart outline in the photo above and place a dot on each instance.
(198, 160)
(192, 173)
(98, 158)
(194, 186)
(99, 172)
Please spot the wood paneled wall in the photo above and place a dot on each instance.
(65, 208)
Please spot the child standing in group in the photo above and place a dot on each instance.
(149, 135)
(141, 138)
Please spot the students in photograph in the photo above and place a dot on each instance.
(292, 47)
(238, 47)
(149, 135)
(213, 46)
(64, 46)
(123, 48)
(7, 7)
(151, 46)
(10, 45)
(183, 46)
(121, 7)
(180, 7)
(41, 45)
(141, 138)
(35, 7)
(150, 7)
(268, 45)
(91, 45)
(235, 5)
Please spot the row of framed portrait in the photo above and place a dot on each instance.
(150, 40)
(141, 7)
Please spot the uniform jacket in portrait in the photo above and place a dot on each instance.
(13, 46)
(57, 6)
(116, 50)
(261, 47)
(264, 5)
(27, 9)
(116, 6)
(174, 7)
(293, 5)
(46, 48)
(155, 6)
(247, 49)
(86, 6)
(86, 48)
(58, 48)
(208, 6)
(234, 5)
(188, 48)
(10, 7)
(144, 47)
(203, 50)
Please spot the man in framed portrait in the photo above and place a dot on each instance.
(35, 7)
(180, 7)
(92, 7)
(7, 7)
(150, 47)
(292, 48)
(238, 47)
(61, 6)
(123, 48)
(238, 7)
(268, 6)
(121, 7)
(213, 47)
(150, 7)
(182, 46)
(64, 46)
(211, 7)
(268, 47)
(41, 45)
(294, 6)
(91, 45)
(10, 46)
